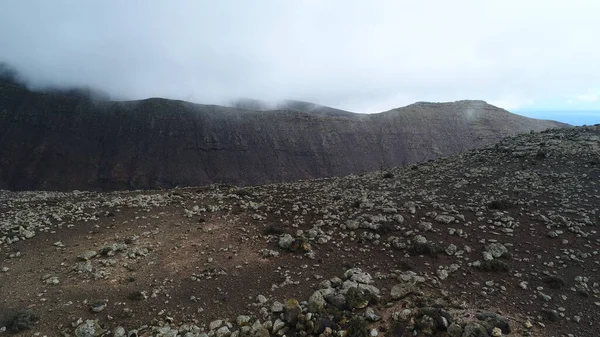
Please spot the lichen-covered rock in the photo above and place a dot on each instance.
(291, 311)
(316, 302)
(89, 328)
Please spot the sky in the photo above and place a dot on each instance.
(527, 56)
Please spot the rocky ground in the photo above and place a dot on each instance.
(501, 241)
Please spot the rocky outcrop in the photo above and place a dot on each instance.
(58, 142)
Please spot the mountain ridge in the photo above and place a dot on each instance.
(57, 142)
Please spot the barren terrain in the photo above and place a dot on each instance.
(501, 241)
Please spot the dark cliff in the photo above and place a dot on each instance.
(58, 142)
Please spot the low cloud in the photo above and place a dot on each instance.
(355, 55)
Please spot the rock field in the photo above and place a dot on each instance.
(501, 241)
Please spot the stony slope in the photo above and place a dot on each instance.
(501, 241)
(55, 142)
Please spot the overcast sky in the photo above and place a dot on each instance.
(363, 56)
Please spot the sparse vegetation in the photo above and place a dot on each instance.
(273, 229)
(357, 327)
(136, 296)
(541, 154)
(21, 320)
(386, 228)
(244, 192)
(358, 298)
(501, 204)
(427, 248)
(554, 282)
(494, 266)
(396, 330)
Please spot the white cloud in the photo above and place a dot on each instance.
(358, 55)
(512, 103)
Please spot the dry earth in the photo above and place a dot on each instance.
(501, 241)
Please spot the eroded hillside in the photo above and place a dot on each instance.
(54, 142)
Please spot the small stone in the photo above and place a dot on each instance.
(487, 256)
(545, 297)
(442, 274)
(88, 255)
(451, 249)
(215, 324)
(454, 330)
(242, 320)
(119, 332)
(446, 219)
(496, 249)
(550, 315)
(398, 218)
(425, 226)
(496, 332)
(316, 302)
(89, 328)
(473, 329)
(402, 290)
(98, 306)
(277, 307)
(357, 275)
(337, 300)
(278, 325)
(53, 280)
(223, 332)
(492, 320)
(261, 299)
(262, 332)
(371, 315)
(285, 241)
(269, 253)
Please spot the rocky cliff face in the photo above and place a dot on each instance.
(58, 142)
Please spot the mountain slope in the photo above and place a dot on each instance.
(290, 105)
(500, 241)
(56, 142)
